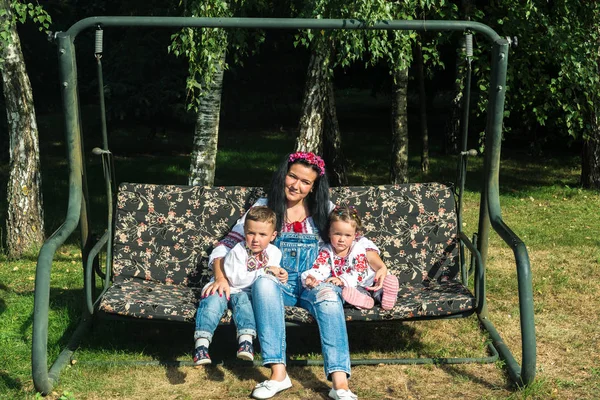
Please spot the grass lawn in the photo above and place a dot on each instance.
(540, 201)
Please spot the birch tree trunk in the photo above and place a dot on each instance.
(399, 167)
(422, 107)
(314, 100)
(206, 131)
(319, 130)
(25, 217)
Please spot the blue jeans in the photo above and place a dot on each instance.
(324, 303)
(211, 309)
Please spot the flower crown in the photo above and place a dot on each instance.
(310, 158)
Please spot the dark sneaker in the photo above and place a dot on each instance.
(246, 351)
(201, 356)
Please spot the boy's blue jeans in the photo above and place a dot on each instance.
(211, 309)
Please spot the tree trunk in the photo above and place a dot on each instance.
(422, 107)
(590, 168)
(399, 167)
(206, 132)
(319, 130)
(314, 100)
(452, 133)
(590, 158)
(332, 142)
(25, 217)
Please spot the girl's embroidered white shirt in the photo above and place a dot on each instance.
(236, 234)
(353, 269)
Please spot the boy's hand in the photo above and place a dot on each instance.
(335, 281)
(281, 274)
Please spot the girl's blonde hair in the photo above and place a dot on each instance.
(347, 214)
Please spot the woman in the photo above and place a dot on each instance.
(299, 195)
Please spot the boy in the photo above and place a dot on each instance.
(243, 264)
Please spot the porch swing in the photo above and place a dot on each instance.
(432, 267)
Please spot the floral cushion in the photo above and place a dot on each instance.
(153, 300)
(164, 233)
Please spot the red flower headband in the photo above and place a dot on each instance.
(310, 158)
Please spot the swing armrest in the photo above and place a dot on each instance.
(43, 379)
(526, 373)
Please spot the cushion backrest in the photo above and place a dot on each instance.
(166, 232)
(414, 226)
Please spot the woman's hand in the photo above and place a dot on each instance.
(380, 270)
(335, 281)
(220, 286)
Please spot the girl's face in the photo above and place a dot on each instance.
(299, 181)
(341, 236)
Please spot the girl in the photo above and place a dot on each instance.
(343, 262)
(299, 195)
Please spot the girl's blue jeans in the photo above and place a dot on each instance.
(324, 302)
(210, 311)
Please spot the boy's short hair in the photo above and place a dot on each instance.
(261, 214)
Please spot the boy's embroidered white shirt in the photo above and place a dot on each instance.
(353, 270)
(236, 234)
(236, 266)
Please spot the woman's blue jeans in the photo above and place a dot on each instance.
(211, 309)
(324, 303)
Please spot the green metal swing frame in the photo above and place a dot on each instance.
(78, 204)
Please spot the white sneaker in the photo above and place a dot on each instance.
(268, 389)
(342, 394)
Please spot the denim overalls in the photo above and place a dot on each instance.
(299, 251)
(269, 296)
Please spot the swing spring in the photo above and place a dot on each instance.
(469, 45)
(99, 38)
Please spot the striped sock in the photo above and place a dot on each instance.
(357, 299)
(390, 292)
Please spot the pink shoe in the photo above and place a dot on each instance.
(390, 292)
(357, 299)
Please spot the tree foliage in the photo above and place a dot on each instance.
(203, 47)
(21, 12)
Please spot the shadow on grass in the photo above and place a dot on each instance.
(455, 371)
(9, 382)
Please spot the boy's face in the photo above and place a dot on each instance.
(259, 235)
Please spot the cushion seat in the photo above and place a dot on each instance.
(154, 300)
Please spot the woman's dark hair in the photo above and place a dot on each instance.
(317, 200)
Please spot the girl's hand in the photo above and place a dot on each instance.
(380, 275)
(310, 282)
(335, 281)
(220, 285)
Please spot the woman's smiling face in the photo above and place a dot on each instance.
(299, 181)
